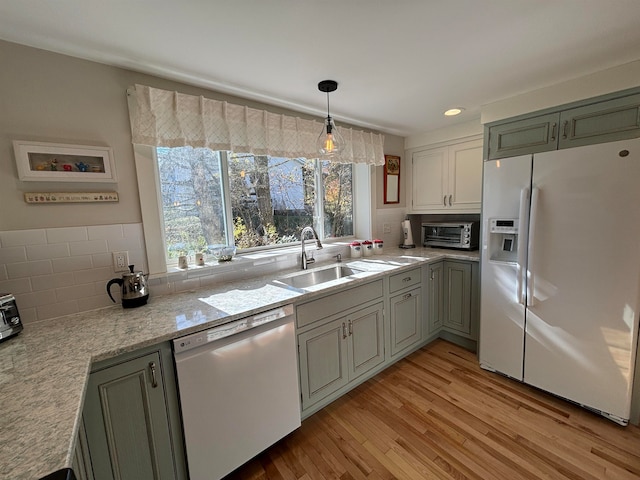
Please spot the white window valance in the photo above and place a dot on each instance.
(170, 119)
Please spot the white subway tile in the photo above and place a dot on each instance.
(87, 247)
(55, 310)
(47, 282)
(29, 269)
(102, 260)
(67, 234)
(105, 232)
(16, 286)
(100, 287)
(120, 244)
(185, 285)
(161, 286)
(16, 238)
(194, 272)
(36, 299)
(3, 272)
(74, 292)
(71, 264)
(45, 252)
(27, 315)
(94, 302)
(13, 255)
(133, 231)
(209, 280)
(93, 275)
(139, 259)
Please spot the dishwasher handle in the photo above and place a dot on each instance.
(234, 327)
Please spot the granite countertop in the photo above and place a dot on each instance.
(44, 370)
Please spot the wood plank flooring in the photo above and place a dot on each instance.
(436, 414)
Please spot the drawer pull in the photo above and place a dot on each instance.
(154, 379)
(407, 296)
(406, 279)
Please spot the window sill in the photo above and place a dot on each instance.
(244, 265)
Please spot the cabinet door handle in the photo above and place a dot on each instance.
(350, 328)
(431, 275)
(344, 331)
(554, 127)
(564, 129)
(154, 379)
(407, 296)
(444, 200)
(450, 200)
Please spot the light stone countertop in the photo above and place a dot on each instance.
(44, 369)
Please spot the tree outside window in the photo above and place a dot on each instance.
(271, 199)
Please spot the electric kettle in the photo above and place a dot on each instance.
(134, 288)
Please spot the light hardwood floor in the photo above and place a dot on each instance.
(436, 414)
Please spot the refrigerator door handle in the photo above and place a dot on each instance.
(535, 193)
(522, 242)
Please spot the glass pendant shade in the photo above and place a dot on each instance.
(330, 142)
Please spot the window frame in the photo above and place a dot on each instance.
(153, 218)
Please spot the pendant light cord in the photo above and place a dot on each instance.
(328, 111)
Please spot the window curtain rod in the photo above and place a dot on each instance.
(163, 118)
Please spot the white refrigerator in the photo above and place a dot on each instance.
(560, 278)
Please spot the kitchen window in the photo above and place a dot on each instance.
(211, 198)
(215, 194)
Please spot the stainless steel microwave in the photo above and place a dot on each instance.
(464, 235)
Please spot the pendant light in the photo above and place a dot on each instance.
(330, 142)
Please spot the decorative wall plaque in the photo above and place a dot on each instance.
(70, 197)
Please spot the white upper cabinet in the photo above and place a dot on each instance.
(447, 179)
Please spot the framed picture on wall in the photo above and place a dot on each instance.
(391, 179)
(57, 162)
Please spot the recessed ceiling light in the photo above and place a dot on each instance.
(453, 111)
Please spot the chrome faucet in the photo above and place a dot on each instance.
(306, 261)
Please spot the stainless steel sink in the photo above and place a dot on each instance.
(310, 278)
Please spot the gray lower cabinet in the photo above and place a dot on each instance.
(435, 297)
(457, 297)
(132, 420)
(604, 119)
(405, 305)
(405, 320)
(81, 458)
(453, 294)
(339, 351)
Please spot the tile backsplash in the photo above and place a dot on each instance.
(58, 271)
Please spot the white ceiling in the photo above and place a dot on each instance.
(399, 63)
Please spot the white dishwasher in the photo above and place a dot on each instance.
(239, 390)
